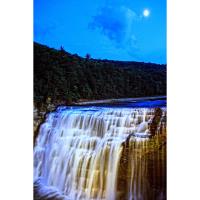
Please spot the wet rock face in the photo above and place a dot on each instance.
(153, 125)
(39, 116)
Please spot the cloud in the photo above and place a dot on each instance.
(116, 23)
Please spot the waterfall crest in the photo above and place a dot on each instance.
(101, 153)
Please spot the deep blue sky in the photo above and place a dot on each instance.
(107, 29)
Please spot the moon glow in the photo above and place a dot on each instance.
(146, 12)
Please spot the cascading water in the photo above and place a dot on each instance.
(100, 153)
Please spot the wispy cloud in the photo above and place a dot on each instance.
(116, 22)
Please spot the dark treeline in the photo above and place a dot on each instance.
(64, 77)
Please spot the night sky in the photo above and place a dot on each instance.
(130, 30)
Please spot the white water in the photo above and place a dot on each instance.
(78, 151)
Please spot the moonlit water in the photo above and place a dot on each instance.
(97, 153)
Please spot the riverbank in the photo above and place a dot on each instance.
(110, 101)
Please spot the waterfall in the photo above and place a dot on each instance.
(100, 153)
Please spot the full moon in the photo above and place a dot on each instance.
(146, 12)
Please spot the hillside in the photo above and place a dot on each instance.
(63, 77)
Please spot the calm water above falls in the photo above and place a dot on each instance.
(101, 152)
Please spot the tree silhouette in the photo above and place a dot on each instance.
(87, 56)
(63, 76)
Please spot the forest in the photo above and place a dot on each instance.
(67, 78)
